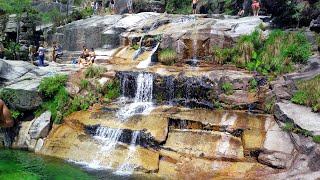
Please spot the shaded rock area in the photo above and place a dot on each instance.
(20, 81)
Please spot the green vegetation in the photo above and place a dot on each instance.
(94, 71)
(227, 88)
(308, 93)
(15, 114)
(288, 127)
(168, 56)
(316, 139)
(275, 55)
(84, 83)
(113, 89)
(178, 7)
(268, 105)
(51, 85)
(135, 47)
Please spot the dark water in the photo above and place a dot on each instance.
(22, 165)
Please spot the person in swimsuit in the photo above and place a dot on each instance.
(194, 6)
(255, 7)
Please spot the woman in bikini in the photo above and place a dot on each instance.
(255, 7)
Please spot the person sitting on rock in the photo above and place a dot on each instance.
(6, 120)
(194, 6)
(92, 57)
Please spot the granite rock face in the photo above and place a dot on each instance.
(41, 126)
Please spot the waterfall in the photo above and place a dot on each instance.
(108, 139)
(139, 51)
(128, 166)
(195, 50)
(143, 98)
(146, 63)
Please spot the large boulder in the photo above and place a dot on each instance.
(41, 126)
(302, 116)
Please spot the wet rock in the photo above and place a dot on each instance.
(315, 25)
(300, 115)
(41, 126)
(38, 145)
(217, 145)
(72, 88)
(238, 98)
(21, 138)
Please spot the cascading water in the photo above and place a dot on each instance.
(146, 63)
(108, 139)
(140, 50)
(195, 50)
(128, 167)
(143, 99)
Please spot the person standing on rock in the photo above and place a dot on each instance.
(6, 120)
(194, 6)
(53, 53)
(112, 6)
(255, 7)
(41, 55)
(32, 52)
(129, 6)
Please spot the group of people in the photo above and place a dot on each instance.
(40, 53)
(86, 58)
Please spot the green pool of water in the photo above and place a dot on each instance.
(16, 165)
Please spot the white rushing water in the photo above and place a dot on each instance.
(143, 99)
(128, 166)
(195, 50)
(138, 51)
(108, 139)
(147, 62)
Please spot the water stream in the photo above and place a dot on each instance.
(147, 62)
(143, 98)
(128, 167)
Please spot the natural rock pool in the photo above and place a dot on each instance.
(16, 164)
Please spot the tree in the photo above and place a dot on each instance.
(17, 7)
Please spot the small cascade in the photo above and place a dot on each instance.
(140, 50)
(184, 124)
(108, 139)
(128, 167)
(179, 47)
(195, 50)
(170, 89)
(146, 63)
(143, 98)
(184, 19)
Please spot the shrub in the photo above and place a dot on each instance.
(15, 114)
(167, 56)
(113, 89)
(84, 83)
(227, 88)
(136, 47)
(178, 6)
(222, 55)
(94, 71)
(288, 127)
(50, 86)
(308, 93)
(316, 139)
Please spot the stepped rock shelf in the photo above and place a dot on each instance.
(166, 121)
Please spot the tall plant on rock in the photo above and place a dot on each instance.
(17, 7)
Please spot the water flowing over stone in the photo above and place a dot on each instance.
(108, 139)
(143, 98)
(146, 63)
(127, 167)
(138, 51)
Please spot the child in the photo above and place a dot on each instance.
(255, 7)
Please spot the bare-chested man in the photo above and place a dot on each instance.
(194, 6)
(6, 120)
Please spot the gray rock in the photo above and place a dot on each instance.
(299, 115)
(41, 126)
(276, 159)
(20, 99)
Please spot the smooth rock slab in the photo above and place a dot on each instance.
(205, 144)
(299, 115)
(41, 126)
